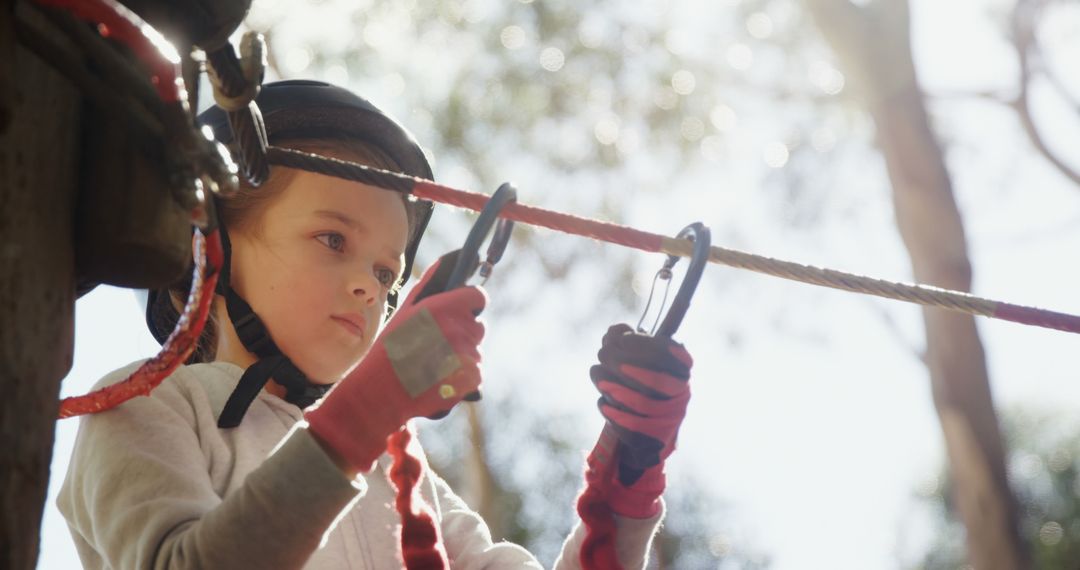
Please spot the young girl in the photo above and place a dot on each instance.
(231, 463)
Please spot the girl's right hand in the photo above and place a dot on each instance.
(424, 362)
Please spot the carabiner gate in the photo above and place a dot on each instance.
(701, 236)
(469, 257)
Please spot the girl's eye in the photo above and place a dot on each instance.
(332, 240)
(386, 277)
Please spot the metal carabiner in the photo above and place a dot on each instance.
(469, 258)
(702, 238)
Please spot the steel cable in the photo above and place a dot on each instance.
(925, 295)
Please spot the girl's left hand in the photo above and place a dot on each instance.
(644, 386)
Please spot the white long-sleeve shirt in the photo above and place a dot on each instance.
(154, 483)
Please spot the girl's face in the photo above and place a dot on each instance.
(316, 267)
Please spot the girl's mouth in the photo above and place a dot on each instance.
(354, 324)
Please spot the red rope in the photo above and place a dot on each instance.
(115, 21)
(604, 231)
(421, 545)
(598, 548)
(209, 259)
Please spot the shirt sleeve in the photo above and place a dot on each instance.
(633, 538)
(139, 492)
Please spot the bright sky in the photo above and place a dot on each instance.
(817, 430)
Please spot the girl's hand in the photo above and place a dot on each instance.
(424, 362)
(644, 387)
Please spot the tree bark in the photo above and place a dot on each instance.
(873, 47)
(38, 146)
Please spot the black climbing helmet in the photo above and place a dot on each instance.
(314, 110)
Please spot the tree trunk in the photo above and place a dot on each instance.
(38, 145)
(874, 50)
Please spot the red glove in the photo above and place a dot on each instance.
(644, 387)
(424, 362)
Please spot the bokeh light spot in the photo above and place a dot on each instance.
(607, 130)
(1051, 533)
(775, 154)
(297, 59)
(474, 11)
(692, 129)
(719, 546)
(683, 82)
(666, 99)
(593, 32)
(512, 37)
(552, 59)
(1027, 466)
(677, 42)
(759, 25)
(723, 118)
(826, 77)
(337, 74)
(1060, 460)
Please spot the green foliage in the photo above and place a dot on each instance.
(1044, 464)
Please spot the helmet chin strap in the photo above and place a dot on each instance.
(272, 363)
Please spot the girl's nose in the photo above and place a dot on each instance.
(366, 287)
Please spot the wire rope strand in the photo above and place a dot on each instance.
(925, 295)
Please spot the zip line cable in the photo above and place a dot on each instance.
(925, 295)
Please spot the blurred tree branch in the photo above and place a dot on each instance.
(1025, 18)
(896, 332)
(1023, 22)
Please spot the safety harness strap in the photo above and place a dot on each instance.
(249, 327)
(253, 380)
(299, 390)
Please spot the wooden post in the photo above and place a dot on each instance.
(86, 196)
(38, 162)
